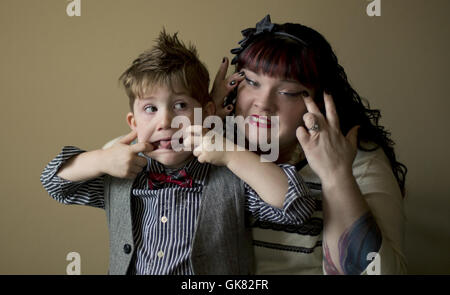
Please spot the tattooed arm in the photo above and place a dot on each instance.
(350, 230)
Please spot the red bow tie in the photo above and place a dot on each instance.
(157, 180)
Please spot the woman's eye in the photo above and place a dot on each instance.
(150, 109)
(180, 105)
(290, 93)
(251, 82)
(304, 93)
(294, 94)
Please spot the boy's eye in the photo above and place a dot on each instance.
(150, 109)
(180, 105)
(251, 82)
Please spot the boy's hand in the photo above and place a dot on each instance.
(208, 146)
(122, 160)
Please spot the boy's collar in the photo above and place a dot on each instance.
(193, 168)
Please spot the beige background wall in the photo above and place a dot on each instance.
(58, 78)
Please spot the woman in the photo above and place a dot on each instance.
(337, 145)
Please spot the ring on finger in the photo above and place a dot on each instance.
(315, 127)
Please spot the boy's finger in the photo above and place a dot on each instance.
(127, 139)
(142, 147)
(193, 130)
(130, 176)
(192, 141)
(330, 110)
(135, 170)
(140, 161)
(197, 151)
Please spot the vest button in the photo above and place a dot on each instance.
(127, 248)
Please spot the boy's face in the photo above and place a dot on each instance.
(152, 117)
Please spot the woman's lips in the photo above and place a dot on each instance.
(260, 121)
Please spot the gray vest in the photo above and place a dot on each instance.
(221, 243)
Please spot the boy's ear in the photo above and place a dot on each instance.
(131, 121)
(209, 109)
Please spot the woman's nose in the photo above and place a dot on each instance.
(265, 102)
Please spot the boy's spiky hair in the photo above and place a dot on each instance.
(169, 62)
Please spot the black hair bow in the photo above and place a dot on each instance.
(263, 26)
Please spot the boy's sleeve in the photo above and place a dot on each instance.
(69, 192)
(298, 204)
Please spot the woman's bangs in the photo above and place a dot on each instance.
(281, 59)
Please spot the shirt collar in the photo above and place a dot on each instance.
(194, 168)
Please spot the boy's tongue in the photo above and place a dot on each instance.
(165, 144)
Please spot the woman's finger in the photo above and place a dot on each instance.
(230, 84)
(302, 135)
(223, 86)
(311, 105)
(312, 123)
(235, 79)
(228, 109)
(352, 136)
(219, 90)
(221, 73)
(330, 109)
(224, 111)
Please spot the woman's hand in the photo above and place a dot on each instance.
(222, 87)
(329, 153)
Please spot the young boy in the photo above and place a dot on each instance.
(167, 212)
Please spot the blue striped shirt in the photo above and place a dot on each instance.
(164, 219)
